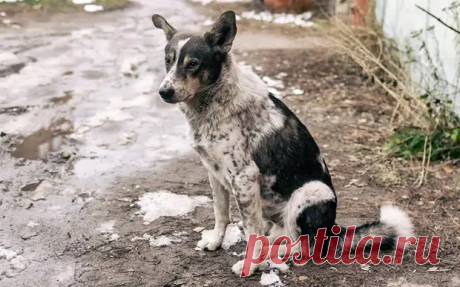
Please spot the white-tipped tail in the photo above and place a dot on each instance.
(393, 216)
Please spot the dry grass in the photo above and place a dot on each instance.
(365, 45)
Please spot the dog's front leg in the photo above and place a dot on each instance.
(221, 196)
(246, 189)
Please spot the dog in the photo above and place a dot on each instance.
(252, 145)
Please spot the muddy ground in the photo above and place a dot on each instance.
(84, 136)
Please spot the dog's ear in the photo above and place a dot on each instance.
(162, 24)
(221, 36)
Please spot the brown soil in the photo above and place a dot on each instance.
(349, 118)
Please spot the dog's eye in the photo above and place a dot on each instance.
(168, 60)
(192, 64)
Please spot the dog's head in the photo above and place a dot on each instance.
(194, 62)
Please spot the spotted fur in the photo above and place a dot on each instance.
(252, 145)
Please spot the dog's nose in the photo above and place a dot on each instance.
(167, 93)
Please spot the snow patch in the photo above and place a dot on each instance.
(79, 2)
(206, 2)
(32, 224)
(107, 227)
(233, 235)
(14, 264)
(144, 237)
(273, 83)
(153, 205)
(282, 18)
(7, 58)
(93, 8)
(271, 278)
(114, 237)
(161, 241)
(297, 92)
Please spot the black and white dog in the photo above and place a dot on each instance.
(252, 145)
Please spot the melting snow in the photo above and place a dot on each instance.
(297, 92)
(271, 278)
(232, 236)
(17, 263)
(114, 237)
(283, 18)
(164, 203)
(144, 237)
(161, 241)
(273, 83)
(78, 2)
(107, 227)
(206, 2)
(32, 224)
(93, 8)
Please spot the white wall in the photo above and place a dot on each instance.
(403, 21)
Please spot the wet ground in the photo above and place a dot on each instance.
(100, 188)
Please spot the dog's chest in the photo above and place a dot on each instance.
(222, 150)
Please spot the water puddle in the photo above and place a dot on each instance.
(14, 111)
(31, 186)
(92, 75)
(38, 145)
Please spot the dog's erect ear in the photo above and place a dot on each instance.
(221, 36)
(162, 24)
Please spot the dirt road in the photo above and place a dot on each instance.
(100, 188)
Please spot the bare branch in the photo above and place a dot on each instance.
(439, 20)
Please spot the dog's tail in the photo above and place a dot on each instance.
(393, 223)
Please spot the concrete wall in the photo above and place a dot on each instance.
(430, 50)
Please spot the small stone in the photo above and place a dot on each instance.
(198, 229)
(302, 278)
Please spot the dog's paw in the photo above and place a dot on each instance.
(211, 240)
(237, 268)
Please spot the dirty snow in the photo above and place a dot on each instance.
(273, 86)
(282, 18)
(8, 58)
(153, 205)
(32, 224)
(107, 227)
(232, 236)
(273, 83)
(161, 241)
(14, 263)
(79, 2)
(206, 2)
(93, 8)
(270, 278)
(297, 92)
(144, 237)
(114, 237)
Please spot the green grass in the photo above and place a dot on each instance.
(414, 143)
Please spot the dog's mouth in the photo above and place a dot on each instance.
(170, 101)
(175, 101)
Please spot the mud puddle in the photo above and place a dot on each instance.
(38, 145)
